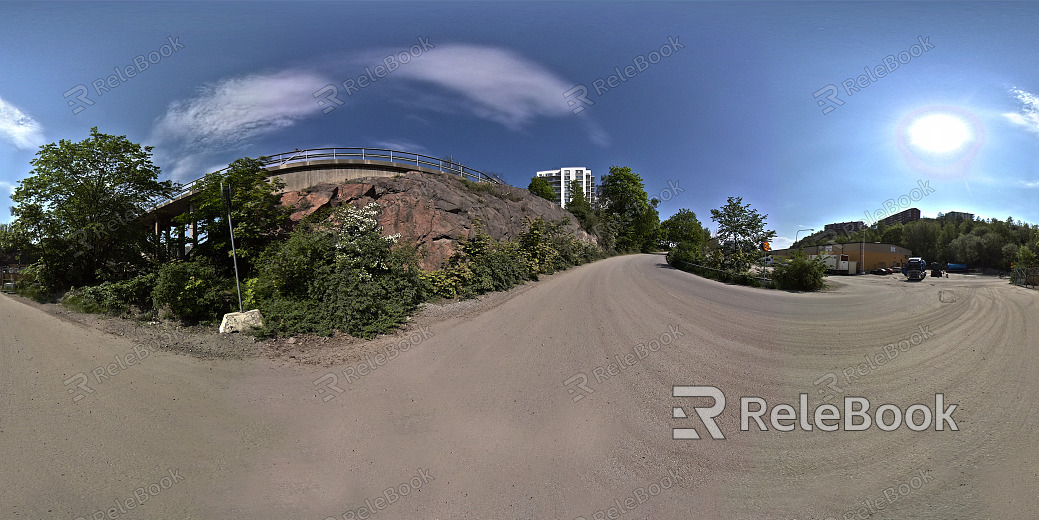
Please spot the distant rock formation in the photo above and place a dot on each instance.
(434, 210)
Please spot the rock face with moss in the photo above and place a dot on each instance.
(433, 210)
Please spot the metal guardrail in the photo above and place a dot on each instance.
(728, 272)
(1025, 276)
(376, 154)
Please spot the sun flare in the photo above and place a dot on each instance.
(939, 133)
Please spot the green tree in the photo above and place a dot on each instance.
(539, 186)
(741, 230)
(580, 208)
(684, 227)
(624, 198)
(80, 204)
(256, 212)
(892, 235)
(15, 246)
(1025, 257)
(921, 237)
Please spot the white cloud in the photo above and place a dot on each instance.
(491, 83)
(228, 114)
(1028, 117)
(403, 145)
(19, 128)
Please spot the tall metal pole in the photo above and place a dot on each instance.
(862, 252)
(234, 254)
(799, 231)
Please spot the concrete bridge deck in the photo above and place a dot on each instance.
(301, 169)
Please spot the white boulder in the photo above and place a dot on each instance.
(241, 321)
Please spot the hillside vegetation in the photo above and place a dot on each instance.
(355, 258)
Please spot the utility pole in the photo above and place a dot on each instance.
(862, 252)
(234, 254)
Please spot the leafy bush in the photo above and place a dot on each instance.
(343, 277)
(799, 274)
(690, 259)
(192, 291)
(688, 253)
(478, 187)
(481, 265)
(115, 298)
(534, 247)
(33, 284)
(498, 270)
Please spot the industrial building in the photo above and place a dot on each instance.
(877, 254)
(560, 181)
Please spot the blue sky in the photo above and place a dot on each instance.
(733, 111)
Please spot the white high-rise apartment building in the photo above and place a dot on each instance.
(560, 181)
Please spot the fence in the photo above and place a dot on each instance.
(1025, 276)
(722, 275)
(364, 154)
(8, 277)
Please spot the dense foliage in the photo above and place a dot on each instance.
(799, 273)
(623, 197)
(257, 214)
(343, 276)
(539, 186)
(77, 210)
(684, 228)
(978, 243)
(483, 265)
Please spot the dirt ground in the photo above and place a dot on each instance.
(555, 400)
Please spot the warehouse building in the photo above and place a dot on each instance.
(877, 254)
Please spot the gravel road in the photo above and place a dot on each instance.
(553, 401)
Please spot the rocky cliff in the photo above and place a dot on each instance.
(434, 210)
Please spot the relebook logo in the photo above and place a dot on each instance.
(827, 417)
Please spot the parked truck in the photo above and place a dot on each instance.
(936, 270)
(915, 268)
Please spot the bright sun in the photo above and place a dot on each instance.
(940, 133)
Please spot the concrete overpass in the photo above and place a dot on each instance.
(301, 169)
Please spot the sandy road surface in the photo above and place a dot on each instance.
(475, 421)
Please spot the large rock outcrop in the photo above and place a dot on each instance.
(434, 210)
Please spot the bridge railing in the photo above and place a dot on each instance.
(371, 154)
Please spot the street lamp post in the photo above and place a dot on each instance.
(799, 231)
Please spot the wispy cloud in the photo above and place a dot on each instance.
(403, 145)
(492, 83)
(230, 113)
(18, 128)
(1028, 116)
